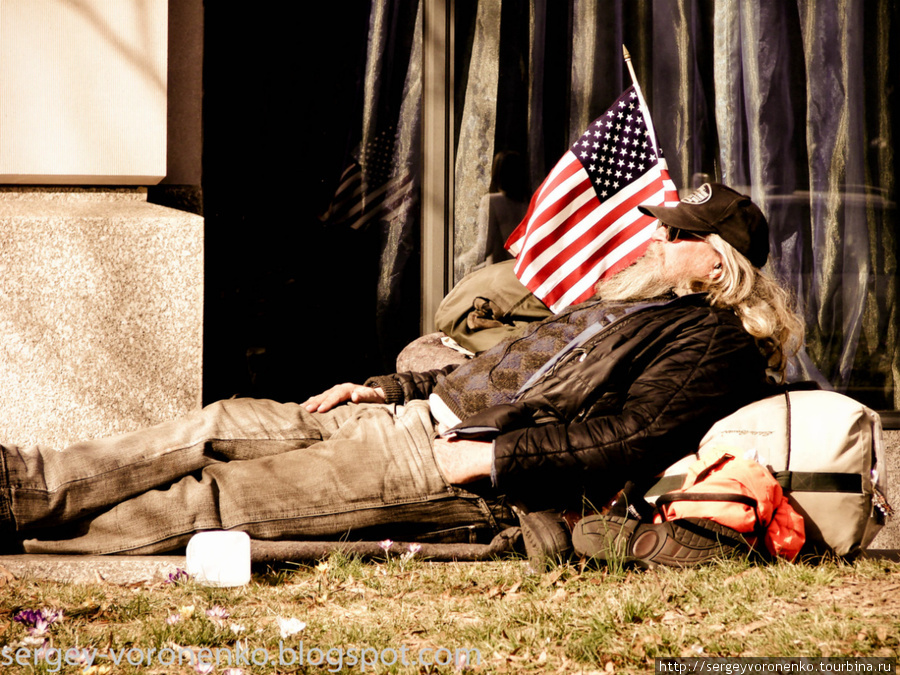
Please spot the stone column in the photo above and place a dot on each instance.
(101, 309)
(101, 292)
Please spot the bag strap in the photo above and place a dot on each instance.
(801, 481)
(804, 481)
(790, 481)
(759, 529)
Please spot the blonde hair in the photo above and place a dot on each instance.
(763, 306)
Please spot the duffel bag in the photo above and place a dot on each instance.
(827, 452)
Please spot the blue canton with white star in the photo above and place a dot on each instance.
(616, 149)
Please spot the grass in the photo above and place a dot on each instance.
(574, 619)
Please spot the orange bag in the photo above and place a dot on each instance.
(740, 494)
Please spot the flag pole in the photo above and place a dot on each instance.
(641, 102)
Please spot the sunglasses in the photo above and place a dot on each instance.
(677, 234)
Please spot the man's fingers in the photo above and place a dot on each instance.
(340, 393)
(367, 395)
(330, 398)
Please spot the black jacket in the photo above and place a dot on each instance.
(634, 399)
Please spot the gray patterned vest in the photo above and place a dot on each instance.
(498, 375)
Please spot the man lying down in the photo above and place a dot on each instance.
(614, 389)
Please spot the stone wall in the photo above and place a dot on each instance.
(101, 313)
(889, 537)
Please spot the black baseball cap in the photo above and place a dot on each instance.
(716, 208)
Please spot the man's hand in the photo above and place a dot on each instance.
(463, 461)
(341, 393)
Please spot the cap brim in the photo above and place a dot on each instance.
(676, 217)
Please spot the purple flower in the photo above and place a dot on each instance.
(38, 622)
(28, 616)
(52, 616)
(386, 545)
(40, 628)
(411, 552)
(176, 576)
(217, 615)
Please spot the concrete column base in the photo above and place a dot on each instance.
(101, 313)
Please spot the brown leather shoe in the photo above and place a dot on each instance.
(676, 543)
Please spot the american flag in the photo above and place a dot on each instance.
(583, 223)
(370, 187)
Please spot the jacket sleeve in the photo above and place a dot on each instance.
(404, 387)
(705, 374)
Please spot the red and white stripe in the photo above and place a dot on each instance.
(569, 239)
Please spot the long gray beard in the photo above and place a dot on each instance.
(640, 281)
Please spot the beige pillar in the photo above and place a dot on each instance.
(101, 292)
(83, 91)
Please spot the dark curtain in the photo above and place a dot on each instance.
(280, 285)
(813, 143)
(790, 101)
(393, 106)
(382, 165)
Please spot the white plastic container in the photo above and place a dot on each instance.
(219, 558)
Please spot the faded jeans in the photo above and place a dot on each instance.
(272, 470)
